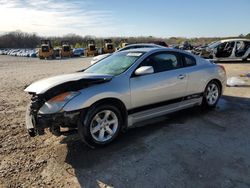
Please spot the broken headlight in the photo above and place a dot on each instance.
(56, 104)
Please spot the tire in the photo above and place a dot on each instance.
(211, 95)
(100, 125)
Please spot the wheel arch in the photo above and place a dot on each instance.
(117, 103)
(218, 82)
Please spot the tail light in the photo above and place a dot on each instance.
(223, 69)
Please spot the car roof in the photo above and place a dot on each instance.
(234, 39)
(144, 44)
(139, 50)
(153, 49)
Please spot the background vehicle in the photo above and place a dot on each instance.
(57, 52)
(123, 43)
(20, 52)
(125, 88)
(33, 53)
(91, 49)
(229, 49)
(186, 46)
(108, 46)
(77, 52)
(161, 43)
(46, 50)
(65, 50)
(128, 47)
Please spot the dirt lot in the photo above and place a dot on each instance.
(192, 148)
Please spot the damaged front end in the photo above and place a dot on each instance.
(49, 98)
(37, 121)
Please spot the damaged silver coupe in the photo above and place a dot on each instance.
(123, 89)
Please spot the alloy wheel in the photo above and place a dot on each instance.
(104, 125)
(212, 94)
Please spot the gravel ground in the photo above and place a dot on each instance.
(191, 148)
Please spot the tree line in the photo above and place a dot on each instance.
(18, 39)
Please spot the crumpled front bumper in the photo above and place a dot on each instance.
(37, 123)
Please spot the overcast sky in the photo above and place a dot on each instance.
(161, 18)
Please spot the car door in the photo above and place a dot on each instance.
(242, 49)
(225, 49)
(167, 83)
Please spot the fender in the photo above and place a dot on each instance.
(91, 95)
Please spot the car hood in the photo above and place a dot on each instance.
(41, 86)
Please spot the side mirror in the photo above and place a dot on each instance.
(144, 70)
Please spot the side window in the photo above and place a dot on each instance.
(162, 62)
(221, 46)
(166, 62)
(240, 45)
(247, 44)
(226, 46)
(189, 60)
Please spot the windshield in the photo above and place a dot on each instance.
(214, 44)
(115, 64)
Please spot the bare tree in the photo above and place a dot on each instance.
(18, 39)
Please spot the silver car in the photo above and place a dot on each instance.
(123, 89)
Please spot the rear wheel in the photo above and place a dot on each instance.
(101, 125)
(211, 95)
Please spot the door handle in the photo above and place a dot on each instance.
(181, 76)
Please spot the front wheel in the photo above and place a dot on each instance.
(101, 125)
(211, 95)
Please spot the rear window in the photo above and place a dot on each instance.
(247, 44)
(189, 60)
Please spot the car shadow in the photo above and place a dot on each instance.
(85, 162)
(241, 86)
(233, 62)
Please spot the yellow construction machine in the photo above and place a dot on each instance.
(91, 49)
(65, 50)
(108, 46)
(123, 43)
(46, 50)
